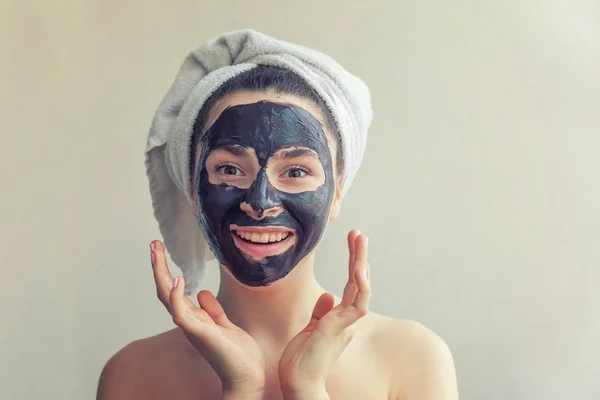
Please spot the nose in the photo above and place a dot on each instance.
(261, 200)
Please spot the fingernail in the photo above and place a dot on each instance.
(363, 273)
(152, 247)
(152, 258)
(366, 241)
(175, 282)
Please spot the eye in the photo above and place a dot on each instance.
(228, 169)
(296, 172)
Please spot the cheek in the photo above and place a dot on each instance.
(308, 207)
(218, 197)
(214, 201)
(314, 205)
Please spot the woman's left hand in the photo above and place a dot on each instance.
(307, 360)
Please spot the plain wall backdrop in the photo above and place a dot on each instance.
(480, 187)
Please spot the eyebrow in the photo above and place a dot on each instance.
(236, 150)
(287, 154)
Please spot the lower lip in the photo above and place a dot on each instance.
(262, 250)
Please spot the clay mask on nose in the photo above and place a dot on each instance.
(261, 130)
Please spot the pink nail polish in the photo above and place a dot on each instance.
(175, 282)
(366, 241)
(363, 273)
(152, 258)
(152, 247)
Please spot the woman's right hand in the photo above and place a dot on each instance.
(230, 351)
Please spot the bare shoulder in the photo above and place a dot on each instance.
(419, 362)
(147, 367)
(125, 372)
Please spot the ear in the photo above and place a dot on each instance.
(336, 204)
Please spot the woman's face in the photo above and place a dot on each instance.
(265, 184)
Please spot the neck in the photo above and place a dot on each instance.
(274, 313)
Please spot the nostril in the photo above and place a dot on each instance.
(272, 212)
(251, 211)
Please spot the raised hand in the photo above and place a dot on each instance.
(307, 360)
(231, 352)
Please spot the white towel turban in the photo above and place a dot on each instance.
(204, 71)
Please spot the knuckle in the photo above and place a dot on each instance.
(178, 319)
(330, 330)
(166, 302)
(338, 331)
(163, 300)
(349, 333)
(361, 311)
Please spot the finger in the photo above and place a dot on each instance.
(208, 302)
(361, 276)
(357, 261)
(350, 291)
(361, 302)
(180, 309)
(350, 288)
(322, 307)
(361, 252)
(358, 305)
(162, 275)
(352, 235)
(358, 309)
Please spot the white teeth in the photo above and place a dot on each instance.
(262, 237)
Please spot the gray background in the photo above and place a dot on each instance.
(479, 188)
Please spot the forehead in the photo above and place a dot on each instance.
(266, 127)
(246, 97)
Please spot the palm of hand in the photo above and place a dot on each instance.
(309, 355)
(232, 346)
(231, 351)
(308, 358)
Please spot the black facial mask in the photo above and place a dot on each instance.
(265, 127)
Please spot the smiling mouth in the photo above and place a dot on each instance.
(266, 237)
(260, 242)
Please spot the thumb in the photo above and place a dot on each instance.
(208, 302)
(323, 306)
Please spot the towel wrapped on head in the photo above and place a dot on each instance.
(202, 73)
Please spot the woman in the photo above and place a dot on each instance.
(263, 154)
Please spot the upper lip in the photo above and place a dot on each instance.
(261, 229)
